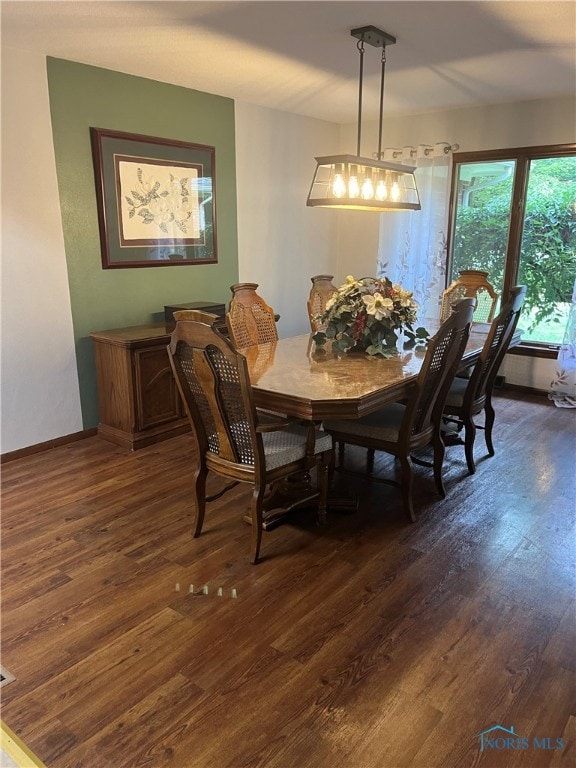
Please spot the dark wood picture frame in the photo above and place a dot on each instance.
(156, 200)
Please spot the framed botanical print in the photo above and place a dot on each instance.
(156, 200)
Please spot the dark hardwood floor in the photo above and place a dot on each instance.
(368, 643)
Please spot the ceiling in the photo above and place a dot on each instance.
(300, 57)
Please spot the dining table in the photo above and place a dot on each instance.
(295, 377)
(299, 379)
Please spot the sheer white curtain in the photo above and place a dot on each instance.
(563, 386)
(412, 245)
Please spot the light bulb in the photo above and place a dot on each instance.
(367, 189)
(338, 186)
(353, 188)
(381, 191)
(395, 191)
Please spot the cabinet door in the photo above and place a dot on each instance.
(157, 396)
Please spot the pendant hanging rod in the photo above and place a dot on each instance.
(379, 39)
(360, 46)
(381, 102)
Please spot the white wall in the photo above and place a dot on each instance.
(358, 233)
(39, 383)
(520, 124)
(524, 371)
(281, 242)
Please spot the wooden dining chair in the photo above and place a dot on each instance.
(468, 397)
(233, 439)
(402, 428)
(471, 283)
(249, 319)
(322, 289)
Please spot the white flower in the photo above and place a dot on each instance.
(378, 306)
(404, 297)
(350, 284)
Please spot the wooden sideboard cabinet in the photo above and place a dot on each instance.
(137, 394)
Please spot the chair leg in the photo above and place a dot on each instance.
(488, 424)
(469, 437)
(370, 460)
(439, 451)
(199, 500)
(257, 506)
(331, 466)
(323, 474)
(406, 486)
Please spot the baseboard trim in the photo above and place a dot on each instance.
(48, 445)
(522, 388)
(525, 350)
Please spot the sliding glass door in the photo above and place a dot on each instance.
(513, 214)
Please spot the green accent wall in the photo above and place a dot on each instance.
(82, 97)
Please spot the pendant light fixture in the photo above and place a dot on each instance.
(360, 183)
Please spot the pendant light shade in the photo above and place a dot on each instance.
(359, 183)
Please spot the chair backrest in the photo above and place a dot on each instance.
(322, 289)
(213, 381)
(249, 319)
(472, 283)
(195, 314)
(496, 345)
(443, 355)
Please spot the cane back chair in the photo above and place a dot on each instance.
(468, 397)
(322, 289)
(401, 428)
(233, 439)
(472, 283)
(249, 319)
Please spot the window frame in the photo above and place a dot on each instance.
(522, 157)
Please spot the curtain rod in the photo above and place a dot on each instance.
(428, 150)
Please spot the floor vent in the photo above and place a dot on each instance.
(5, 677)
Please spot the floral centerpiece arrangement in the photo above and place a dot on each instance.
(368, 315)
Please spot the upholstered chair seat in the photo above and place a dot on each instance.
(383, 426)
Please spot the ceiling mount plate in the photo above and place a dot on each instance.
(374, 36)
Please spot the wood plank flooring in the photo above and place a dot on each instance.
(368, 643)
